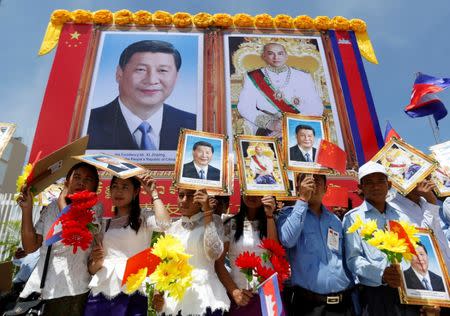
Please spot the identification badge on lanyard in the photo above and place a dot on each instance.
(333, 239)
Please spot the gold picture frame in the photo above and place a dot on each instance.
(6, 132)
(272, 178)
(405, 165)
(412, 290)
(216, 172)
(293, 156)
(442, 181)
(115, 165)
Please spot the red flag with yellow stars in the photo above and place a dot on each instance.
(143, 259)
(336, 196)
(62, 90)
(332, 156)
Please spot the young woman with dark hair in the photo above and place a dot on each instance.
(244, 232)
(126, 234)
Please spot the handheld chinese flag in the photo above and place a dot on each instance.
(332, 156)
(390, 132)
(402, 234)
(143, 259)
(423, 100)
(336, 196)
(270, 298)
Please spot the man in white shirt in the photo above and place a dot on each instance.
(303, 150)
(420, 206)
(199, 167)
(277, 88)
(138, 119)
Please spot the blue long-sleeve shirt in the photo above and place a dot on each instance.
(366, 262)
(314, 266)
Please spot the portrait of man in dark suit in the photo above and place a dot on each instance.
(199, 167)
(138, 118)
(418, 277)
(303, 151)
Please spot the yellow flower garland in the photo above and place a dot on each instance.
(82, 16)
(182, 19)
(222, 20)
(123, 17)
(264, 20)
(103, 17)
(322, 23)
(59, 17)
(358, 25)
(340, 23)
(203, 20)
(142, 18)
(283, 21)
(304, 22)
(243, 20)
(162, 18)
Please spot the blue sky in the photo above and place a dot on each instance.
(408, 36)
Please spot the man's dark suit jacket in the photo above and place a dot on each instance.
(413, 282)
(119, 169)
(108, 129)
(296, 154)
(189, 171)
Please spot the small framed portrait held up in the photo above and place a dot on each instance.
(6, 132)
(301, 141)
(260, 166)
(202, 161)
(405, 165)
(117, 166)
(441, 176)
(425, 280)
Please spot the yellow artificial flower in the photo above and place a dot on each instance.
(392, 243)
(169, 247)
(182, 19)
(162, 18)
(59, 17)
(407, 256)
(82, 16)
(411, 231)
(356, 225)
(358, 25)
(322, 23)
(264, 20)
(340, 23)
(304, 22)
(243, 20)
(223, 20)
(178, 288)
(283, 21)
(142, 18)
(134, 281)
(203, 20)
(123, 17)
(103, 17)
(368, 228)
(377, 239)
(164, 274)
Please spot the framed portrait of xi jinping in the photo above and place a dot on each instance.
(405, 165)
(301, 141)
(202, 161)
(260, 166)
(425, 280)
(143, 89)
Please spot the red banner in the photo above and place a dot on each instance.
(58, 106)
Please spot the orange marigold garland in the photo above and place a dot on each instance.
(182, 19)
(304, 22)
(82, 16)
(103, 17)
(59, 17)
(358, 25)
(203, 20)
(322, 23)
(123, 17)
(264, 20)
(223, 20)
(142, 18)
(283, 21)
(162, 18)
(339, 23)
(243, 20)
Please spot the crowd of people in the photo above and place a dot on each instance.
(332, 272)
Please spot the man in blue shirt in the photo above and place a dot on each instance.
(313, 239)
(379, 281)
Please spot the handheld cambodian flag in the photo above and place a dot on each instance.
(270, 298)
(390, 132)
(55, 231)
(423, 100)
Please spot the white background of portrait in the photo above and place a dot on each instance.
(104, 87)
(325, 67)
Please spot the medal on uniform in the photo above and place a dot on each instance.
(296, 101)
(279, 95)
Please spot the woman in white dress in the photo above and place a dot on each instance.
(244, 232)
(201, 233)
(126, 234)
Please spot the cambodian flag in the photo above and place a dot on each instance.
(270, 297)
(390, 132)
(54, 233)
(423, 100)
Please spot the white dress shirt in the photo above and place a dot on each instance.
(133, 122)
(309, 152)
(198, 168)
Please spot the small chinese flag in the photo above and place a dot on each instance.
(396, 227)
(336, 196)
(144, 259)
(332, 156)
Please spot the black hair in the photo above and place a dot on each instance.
(85, 165)
(149, 46)
(301, 126)
(135, 211)
(203, 143)
(240, 217)
(419, 243)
